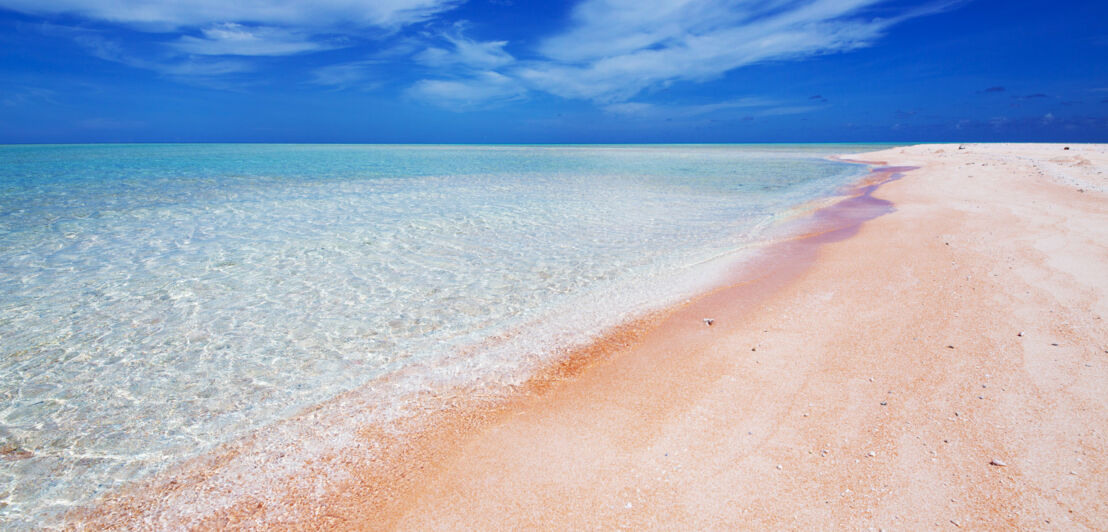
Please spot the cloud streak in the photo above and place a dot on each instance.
(477, 90)
(346, 75)
(609, 52)
(615, 50)
(459, 51)
(242, 28)
(648, 110)
(230, 38)
(197, 70)
(161, 15)
(27, 96)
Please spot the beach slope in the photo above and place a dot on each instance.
(946, 366)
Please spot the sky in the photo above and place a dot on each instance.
(582, 71)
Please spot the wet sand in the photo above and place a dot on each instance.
(943, 364)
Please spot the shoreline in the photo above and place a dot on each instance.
(218, 474)
(629, 377)
(442, 415)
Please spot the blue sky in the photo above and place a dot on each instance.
(533, 71)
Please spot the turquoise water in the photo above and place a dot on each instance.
(157, 300)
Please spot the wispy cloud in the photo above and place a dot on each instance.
(609, 52)
(473, 70)
(457, 50)
(460, 94)
(615, 50)
(243, 28)
(193, 69)
(346, 75)
(171, 14)
(21, 96)
(648, 110)
(230, 38)
(633, 109)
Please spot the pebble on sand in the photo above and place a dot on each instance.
(709, 321)
(998, 462)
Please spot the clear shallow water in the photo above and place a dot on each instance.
(156, 300)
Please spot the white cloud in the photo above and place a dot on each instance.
(472, 70)
(610, 52)
(154, 14)
(615, 49)
(647, 110)
(345, 75)
(196, 69)
(607, 28)
(465, 93)
(228, 27)
(236, 39)
(632, 109)
(465, 52)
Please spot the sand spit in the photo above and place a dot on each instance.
(942, 365)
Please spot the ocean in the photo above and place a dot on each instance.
(159, 300)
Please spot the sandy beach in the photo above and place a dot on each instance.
(931, 353)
